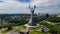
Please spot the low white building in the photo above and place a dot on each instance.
(58, 15)
(44, 29)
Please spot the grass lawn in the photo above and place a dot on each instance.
(32, 29)
(35, 32)
(5, 31)
(35, 28)
(19, 28)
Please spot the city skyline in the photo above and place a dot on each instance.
(22, 6)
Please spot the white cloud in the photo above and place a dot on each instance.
(13, 6)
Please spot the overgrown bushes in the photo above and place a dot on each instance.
(53, 19)
(53, 29)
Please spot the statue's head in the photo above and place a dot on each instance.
(34, 6)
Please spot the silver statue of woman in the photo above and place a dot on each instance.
(32, 9)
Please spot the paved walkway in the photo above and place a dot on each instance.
(49, 22)
(1, 30)
(12, 32)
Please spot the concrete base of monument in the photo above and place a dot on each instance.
(31, 26)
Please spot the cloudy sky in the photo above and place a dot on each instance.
(22, 6)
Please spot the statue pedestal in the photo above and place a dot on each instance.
(31, 26)
(32, 22)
